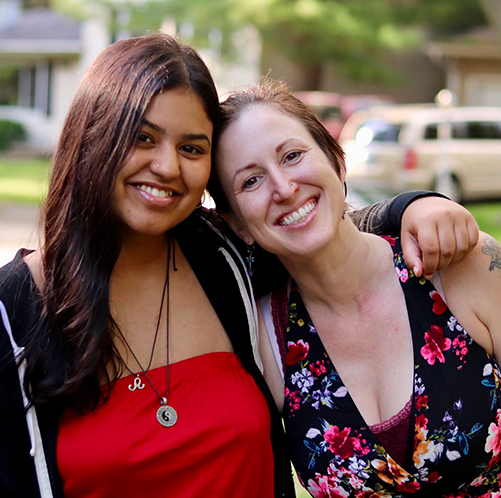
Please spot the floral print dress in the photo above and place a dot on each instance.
(454, 443)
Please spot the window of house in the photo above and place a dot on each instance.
(9, 77)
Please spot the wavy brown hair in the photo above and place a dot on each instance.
(72, 347)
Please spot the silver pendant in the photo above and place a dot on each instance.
(167, 416)
(137, 384)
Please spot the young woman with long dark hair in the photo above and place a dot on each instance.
(128, 341)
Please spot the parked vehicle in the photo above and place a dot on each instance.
(328, 107)
(456, 151)
(334, 109)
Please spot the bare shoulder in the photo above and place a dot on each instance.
(472, 289)
(485, 258)
(34, 262)
(491, 252)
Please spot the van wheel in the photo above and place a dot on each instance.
(448, 185)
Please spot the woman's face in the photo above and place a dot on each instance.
(283, 191)
(165, 175)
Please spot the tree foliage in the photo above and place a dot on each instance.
(355, 34)
(34, 4)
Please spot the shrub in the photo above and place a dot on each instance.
(10, 132)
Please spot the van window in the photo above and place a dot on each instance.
(478, 130)
(378, 130)
(431, 132)
(327, 113)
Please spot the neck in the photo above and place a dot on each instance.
(343, 273)
(142, 251)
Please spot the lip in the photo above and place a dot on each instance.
(299, 215)
(155, 194)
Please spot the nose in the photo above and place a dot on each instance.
(166, 164)
(284, 187)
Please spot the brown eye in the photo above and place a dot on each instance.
(291, 156)
(250, 182)
(144, 138)
(191, 149)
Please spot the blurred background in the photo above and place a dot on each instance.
(411, 88)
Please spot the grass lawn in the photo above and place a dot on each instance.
(488, 216)
(23, 180)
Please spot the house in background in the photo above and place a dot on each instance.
(473, 66)
(43, 55)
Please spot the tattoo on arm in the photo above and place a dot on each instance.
(493, 249)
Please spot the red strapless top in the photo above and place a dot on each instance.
(220, 445)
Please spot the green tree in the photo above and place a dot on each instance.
(357, 34)
(354, 34)
(33, 4)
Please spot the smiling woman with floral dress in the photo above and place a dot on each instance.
(386, 390)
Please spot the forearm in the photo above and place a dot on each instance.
(385, 217)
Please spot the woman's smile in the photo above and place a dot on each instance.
(166, 173)
(298, 216)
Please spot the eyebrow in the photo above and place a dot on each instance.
(278, 148)
(153, 126)
(240, 170)
(186, 136)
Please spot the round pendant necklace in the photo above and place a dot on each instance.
(166, 415)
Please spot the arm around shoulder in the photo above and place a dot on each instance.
(472, 288)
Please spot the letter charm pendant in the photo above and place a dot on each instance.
(137, 384)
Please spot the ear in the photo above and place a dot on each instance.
(238, 227)
(342, 171)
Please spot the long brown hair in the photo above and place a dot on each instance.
(73, 346)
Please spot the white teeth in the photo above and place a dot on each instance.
(298, 215)
(155, 192)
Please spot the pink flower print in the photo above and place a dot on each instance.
(297, 352)
(389, 239)
(493, 443)
(409, 487)
(439, 306)
(435, 344)
(460, 346)
(403, 275)
(326, 488)
(318, 368)
(421, 422)
(421, 402)
(340, 443)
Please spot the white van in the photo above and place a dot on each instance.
(453, 150)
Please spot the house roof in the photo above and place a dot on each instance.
(41, 31)
(484, 43)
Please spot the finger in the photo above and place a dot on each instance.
(430, 249)
(412, 253)
(462, 242)
(473, 232)
(447, 245)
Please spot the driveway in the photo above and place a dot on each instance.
(18, 228)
